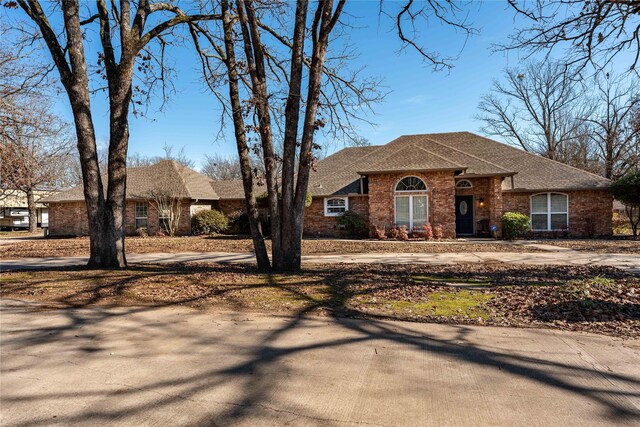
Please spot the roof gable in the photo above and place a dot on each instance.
(142, 180)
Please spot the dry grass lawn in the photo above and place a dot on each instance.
(80, 246)
(595, 299)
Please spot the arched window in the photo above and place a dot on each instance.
(411, 210)
(549, 211)
(411, 183)
(464, 183)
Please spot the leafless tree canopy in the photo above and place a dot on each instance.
(218, 167)
(587, 32)
(588, 124)
(130, 68)
(537, 108)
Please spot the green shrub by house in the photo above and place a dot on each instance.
(352, 224)
(515, 225)
(208, 222)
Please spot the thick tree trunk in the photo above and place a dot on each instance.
(262, 257)
(256, 63)
(33, 214)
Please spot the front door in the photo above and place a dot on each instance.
(464, 215)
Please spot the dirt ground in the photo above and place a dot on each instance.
(595, 299)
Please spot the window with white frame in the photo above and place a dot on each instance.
(335, 206)
(549, 211)
(141, 215)
(411, 183)
(164, 217)
(464, 183)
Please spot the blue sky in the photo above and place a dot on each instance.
(420, 100)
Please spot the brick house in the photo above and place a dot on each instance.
(460, 181)
(68, 212)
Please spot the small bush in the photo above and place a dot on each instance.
(403, 234)
(438, 233)
(393, 233)
(515, 225)
(208, 222)
(428, 231)
(142, 232)
(352, 223)
(379, 233)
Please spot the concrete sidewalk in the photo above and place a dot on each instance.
(177, 366)
(629, 262)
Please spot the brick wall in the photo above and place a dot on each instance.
(316, 224)
(70, 219)
(440, 189)
(589, 211)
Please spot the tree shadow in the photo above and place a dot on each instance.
(586, 310)
(258, 368)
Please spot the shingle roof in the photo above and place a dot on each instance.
(233, 189)
(534, 172)
(142, 180)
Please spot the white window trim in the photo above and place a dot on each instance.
(326, 207)
(395, 187)
(136, 211)
(548, 213)
(464, 180)
(410, 196)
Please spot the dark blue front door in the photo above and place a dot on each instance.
(464, 215)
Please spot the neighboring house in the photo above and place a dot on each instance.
(68, 212)
(460, 181)
(14, 213)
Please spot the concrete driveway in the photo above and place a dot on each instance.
(625, 261)
(176, 366)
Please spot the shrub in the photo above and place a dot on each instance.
(142, 232)
(393, 233)
(515, 225)
(428, 231)
(208, 222)
(379, 233)
(627, 190)
(438, 233)
(353, 224)
(403, 234)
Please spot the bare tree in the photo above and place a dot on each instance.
(612, 129)
(180, 156)
(538, 108)
(133, 38)
(167, 197)
(218, 167)
(36, 151)
(275, 51)
(588, 32)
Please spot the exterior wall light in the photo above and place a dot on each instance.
(481, 201)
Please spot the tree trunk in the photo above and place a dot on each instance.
(33, 216)
(262, 257)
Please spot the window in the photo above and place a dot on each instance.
(141, 215)
(411, 183)
(549, 211)
(464, 183)
(335, 206)
(164, 218)
(411, 211)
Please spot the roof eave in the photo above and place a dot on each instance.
(529, 190)
(377, 172)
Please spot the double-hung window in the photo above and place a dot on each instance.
(335, 206)
(549, 211)
(141, 215)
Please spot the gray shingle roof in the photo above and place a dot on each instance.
(142, 180)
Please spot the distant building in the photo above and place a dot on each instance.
(14, 213)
